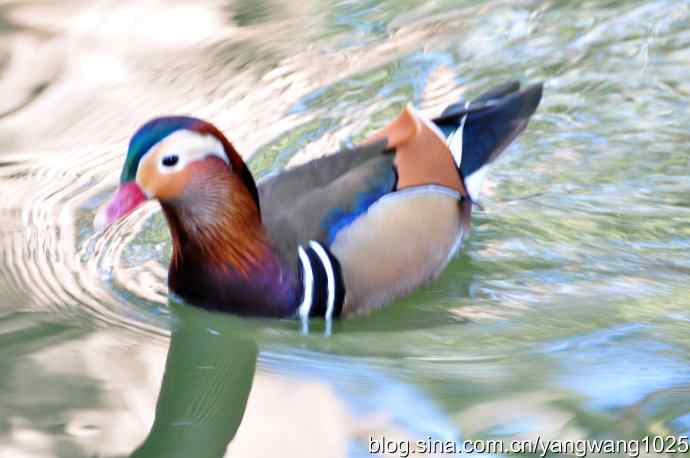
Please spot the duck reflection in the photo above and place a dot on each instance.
(208, 376)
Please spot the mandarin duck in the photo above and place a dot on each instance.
(338, 236)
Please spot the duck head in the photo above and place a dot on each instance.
(166, 158)
(221, 252)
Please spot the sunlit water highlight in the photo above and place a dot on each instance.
(566, 315)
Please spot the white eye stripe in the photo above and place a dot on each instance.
(188, 146)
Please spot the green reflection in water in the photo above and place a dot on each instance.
(208, 377)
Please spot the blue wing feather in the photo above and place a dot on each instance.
(339, 218)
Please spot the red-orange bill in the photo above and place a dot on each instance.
(127, 198)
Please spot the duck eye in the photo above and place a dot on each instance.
(170, 161)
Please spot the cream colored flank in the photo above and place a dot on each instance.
(404, 240)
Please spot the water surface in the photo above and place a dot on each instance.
(565, 316)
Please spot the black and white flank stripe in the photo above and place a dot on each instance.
(323, 291)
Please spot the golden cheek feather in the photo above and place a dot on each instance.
(162, 186)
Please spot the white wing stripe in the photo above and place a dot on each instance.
(455, 140)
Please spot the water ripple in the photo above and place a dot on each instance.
(583, 230)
